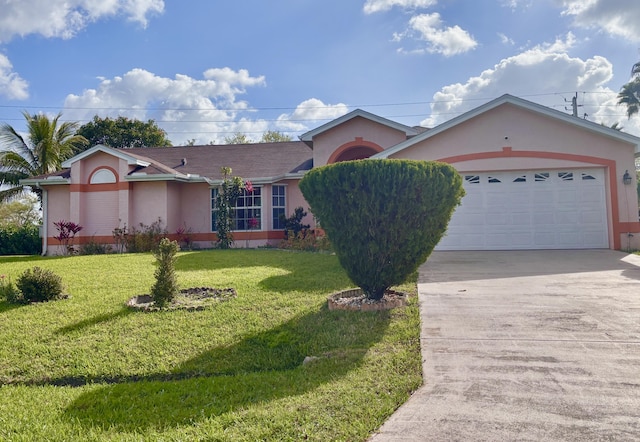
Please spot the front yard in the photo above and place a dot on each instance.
(88, 368)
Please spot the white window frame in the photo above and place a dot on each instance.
(241, 200)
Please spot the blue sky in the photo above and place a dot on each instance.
(206, 69)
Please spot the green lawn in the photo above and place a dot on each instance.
(87, 368)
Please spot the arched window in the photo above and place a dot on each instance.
(103, 176)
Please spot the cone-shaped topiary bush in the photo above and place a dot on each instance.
(383, 217)
(165, 289)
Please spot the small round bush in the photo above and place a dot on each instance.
(383, 217)
(39, 285)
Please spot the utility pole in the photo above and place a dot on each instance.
(574, 105)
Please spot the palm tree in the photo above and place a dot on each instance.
(46, 146)
(629, 95)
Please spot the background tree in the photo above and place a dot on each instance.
(19, 213)
(46, 146)
(123, 133)
(238, 138)
(19, 227)
(383, 217)
(272, 136)
(629, 96)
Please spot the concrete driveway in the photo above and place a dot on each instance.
(526, 345)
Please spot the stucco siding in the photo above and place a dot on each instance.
(57, 206)
(100, 214)
(195, 207)
(149, 202)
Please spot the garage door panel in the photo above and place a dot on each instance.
(530, 210)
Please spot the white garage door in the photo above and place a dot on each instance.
(530, 210)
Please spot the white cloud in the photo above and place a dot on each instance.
(616, 17)
(515, 4)
(185, 107)
(64, 18)
(12, 86)
(207, 110)
(545, 74)
(506, 40)
(309, 112)
(447, 41)
(372, 6)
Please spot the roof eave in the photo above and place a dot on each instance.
(119, 153)
(136, 177)
(44, 181)
(307, 137)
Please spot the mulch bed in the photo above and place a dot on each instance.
(194, 298)
(355, 299)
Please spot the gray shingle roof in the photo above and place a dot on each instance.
(259, 160)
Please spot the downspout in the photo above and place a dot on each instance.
(44, 219)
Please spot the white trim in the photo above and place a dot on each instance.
(103, 176)
(308, 136)
(261, 207)
(118, 153)
(286, 201)
(45, 181)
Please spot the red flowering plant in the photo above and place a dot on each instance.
(67, 231)
(253, 223)
(248, 186)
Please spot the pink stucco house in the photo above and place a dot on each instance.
(535, 178)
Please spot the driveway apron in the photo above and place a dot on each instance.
(526, 345)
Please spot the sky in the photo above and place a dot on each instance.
(206, 69)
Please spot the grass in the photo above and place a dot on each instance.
(87, 368)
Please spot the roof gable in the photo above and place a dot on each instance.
(132, 160)
(308, 136)
(519, 102)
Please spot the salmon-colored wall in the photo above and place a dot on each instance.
(148, 203)
(195, 207)
(325, 144)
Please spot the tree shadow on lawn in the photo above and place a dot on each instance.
(258, 369)
(304, 269)
(6, 306)
(28, 258)
(98, 319)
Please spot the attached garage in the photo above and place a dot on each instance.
(535, 178)
(535, 209)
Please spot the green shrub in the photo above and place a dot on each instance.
(165, 289)
(293, 225)
(311, 240)
(95, 248)
(39, 285)
(20, 240)
(144, 238)
(8, 291)
(383, 217)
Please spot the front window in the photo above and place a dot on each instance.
(247, 215)
(278, 201)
